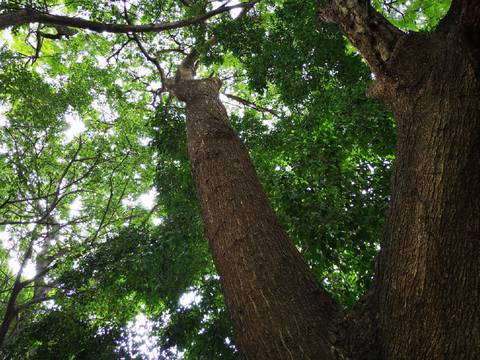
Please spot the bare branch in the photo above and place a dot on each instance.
(150, 58)
(109, 202)
(64, 173)
(144, 51)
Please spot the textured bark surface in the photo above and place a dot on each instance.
(279, 310)
(429, 280)
(368, 31)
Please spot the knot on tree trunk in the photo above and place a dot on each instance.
(191, 90)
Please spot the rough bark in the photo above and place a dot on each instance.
(428, 283)
(369, 31)
(279, 310)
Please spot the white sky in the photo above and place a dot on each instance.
(3, 109)
(6, 35)
(4, 236)
(235, 12)
(76, 125)
(189, 299)
(145, 141)
(28, 271)
(76, 207)
(147, 200)
(157, 220)
(139, 337)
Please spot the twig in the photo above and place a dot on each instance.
(116, 53)
(252, 105)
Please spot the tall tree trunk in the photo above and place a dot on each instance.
(430, 262)
(428, 284)
(279, 310)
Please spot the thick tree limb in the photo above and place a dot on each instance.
(26, 16)
(367, 29)
(462, 12)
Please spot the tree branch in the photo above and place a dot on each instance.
(188, 67)
(150, 58)
(11, 309)
(462, 12)
(117, 52)
(367, 29)
(251, 105)
(26, 16)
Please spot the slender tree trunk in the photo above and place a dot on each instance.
(10, 313)
(11, 309)
(279, 310)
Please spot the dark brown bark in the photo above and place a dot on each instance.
(279, 310)
(462, 12)
(428, 283)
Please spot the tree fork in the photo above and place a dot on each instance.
(428, 283)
